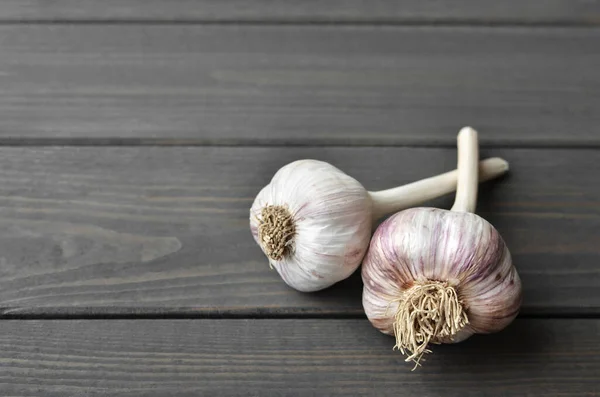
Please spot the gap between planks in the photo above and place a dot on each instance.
(91, 142)
(517, 12)
(441, 23)
(102, 313)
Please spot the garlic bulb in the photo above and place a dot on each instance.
(438, 276)
(314, 222)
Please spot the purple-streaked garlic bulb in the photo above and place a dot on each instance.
(314, 222)
(438, 276)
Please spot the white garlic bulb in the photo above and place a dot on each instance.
(438, 276)
(314, 222)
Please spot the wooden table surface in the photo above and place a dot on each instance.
(134, 135)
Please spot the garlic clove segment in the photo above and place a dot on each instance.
(438, 276)
(314, 222)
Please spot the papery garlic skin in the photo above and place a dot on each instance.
(460, 248)
(331, 212)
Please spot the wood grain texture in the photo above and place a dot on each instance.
(298, 85)
(289, 358)
(372, 11)
(165, 230)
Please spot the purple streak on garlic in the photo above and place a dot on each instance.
(437, 276)
(314, 222)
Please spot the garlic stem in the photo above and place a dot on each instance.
(413, 194)
(468, 156)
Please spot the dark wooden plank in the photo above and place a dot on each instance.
(165, 230)
(348, 85)
(289, 357)
(379, 11)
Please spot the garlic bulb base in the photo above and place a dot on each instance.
(276, 231)
(427, 312)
